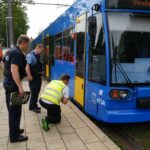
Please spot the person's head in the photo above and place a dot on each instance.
(23, 42)
(39, 48)
(65, 78)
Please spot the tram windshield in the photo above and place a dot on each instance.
(130, 48)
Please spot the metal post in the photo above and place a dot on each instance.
(6, 32)
(10, 25)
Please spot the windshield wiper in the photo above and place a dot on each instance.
(117, 64)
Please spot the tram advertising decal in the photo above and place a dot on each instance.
(128, 4)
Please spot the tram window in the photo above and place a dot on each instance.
(92, 28)
(52, 51)
(80, 46)
(80, 54)
(58, 46)
(47, 49)
(97, 55)
(68, 46)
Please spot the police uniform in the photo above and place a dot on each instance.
(16, 57)
(35, 64)
(51, 97)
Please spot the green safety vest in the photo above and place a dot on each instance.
(53, 92)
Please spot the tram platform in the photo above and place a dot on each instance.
(75, 132)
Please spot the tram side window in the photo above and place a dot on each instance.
(51, 45)
(68, 46)
(80, 54)
(97, 54)
(80, 45)
(47, 49)
(58, 46)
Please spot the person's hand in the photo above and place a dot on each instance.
(30, 78)
(21, 91)
(64, 100)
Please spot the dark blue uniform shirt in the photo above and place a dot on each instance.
(15, 56)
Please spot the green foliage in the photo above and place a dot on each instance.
(20, 20)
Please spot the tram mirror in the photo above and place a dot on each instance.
(92, 28)
(96, 7)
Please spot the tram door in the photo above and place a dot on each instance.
(80, 59)
(47, 57)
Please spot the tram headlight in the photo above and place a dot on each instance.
(119, 94)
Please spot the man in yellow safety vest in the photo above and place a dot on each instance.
(55, 92)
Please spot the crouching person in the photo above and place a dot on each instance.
(55, 92)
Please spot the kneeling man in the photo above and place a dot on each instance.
(55, 92)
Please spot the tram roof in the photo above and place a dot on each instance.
(67, 19)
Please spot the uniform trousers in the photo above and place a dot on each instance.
(14, 114)
(53, 112)
(35, 87)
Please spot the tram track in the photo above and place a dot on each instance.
(120, 136)
(125, 141)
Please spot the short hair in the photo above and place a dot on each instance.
(23, 38)
(65, 77)
(40, 45)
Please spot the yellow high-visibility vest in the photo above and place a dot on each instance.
(53, 91)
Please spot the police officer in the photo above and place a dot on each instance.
(55, 91)
(14, 72)
(34, 74)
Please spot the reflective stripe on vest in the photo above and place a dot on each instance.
(53, 91)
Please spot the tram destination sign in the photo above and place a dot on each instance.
(128, 4)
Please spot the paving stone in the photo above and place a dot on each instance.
(67, 138)
(35, 135)
(4, 127)
(18, 148)
(4, 122)
(56, 145)
(75, 145)
(31, 129)
(111, 145)
(16, 145)
(32, 124)
(52, 140)
(96, 146)
(69, 115)
(77, 125)
(86, 135)
(4, 133)
(3, 141)
(63, 124)
(74, 119)
(97, 131)
(3, 147)
(35, 143)
(38, 148)
(66, 130)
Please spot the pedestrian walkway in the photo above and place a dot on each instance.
(1, 72)
(75, 132)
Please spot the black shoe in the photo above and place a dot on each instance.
(37, 106)
(36, 110)
(19, 139)
(21, 131)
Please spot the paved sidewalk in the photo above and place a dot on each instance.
(75, 132)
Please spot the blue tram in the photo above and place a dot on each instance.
(105, 47)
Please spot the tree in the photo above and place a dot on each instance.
(20, 20)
